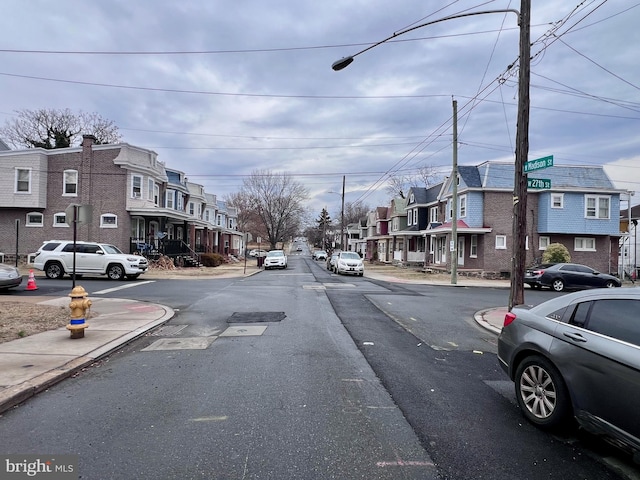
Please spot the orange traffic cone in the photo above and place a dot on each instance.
(31, 283)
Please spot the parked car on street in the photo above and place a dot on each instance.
(9, 277)
(55, 258)
(331, 261)
(578, 356)
(349, 263)
(275, 259)
(319, 255)
(257, 253)
(561, 276)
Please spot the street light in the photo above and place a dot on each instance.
(519, 230)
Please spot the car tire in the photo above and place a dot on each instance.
(610, 284)
(115, 272)
(54, 270)
(541, 393)
(557, 285)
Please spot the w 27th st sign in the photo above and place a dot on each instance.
(539, 164)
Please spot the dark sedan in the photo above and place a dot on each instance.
(561, 276)
(578, 356)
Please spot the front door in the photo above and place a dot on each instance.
(461, 251)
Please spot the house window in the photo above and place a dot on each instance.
(206, 215)
(432, 244)
(557, 200)
(463, 206)
(395, 224)
(108, 220)
(597, 206)
(433, 215)
(60, 220)
(219, 220)
(449, 210)
(415, 216)
(501, 242)
(35, 219)
(199, 210)
(192, 209)
(543, 243)
(409, 217)
(169, 198)
(70, 183)
(585, 244)
(150, 189)
(136, 186)
(156, 194)
(412, 198)
(473, 248)
(23, 180)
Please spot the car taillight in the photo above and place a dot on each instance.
(508, 318)
(538, 272)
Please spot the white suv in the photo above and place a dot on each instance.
(55, 258)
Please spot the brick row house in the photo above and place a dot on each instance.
(581, 210)
(137, 203)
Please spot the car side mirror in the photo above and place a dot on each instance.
(100, 252)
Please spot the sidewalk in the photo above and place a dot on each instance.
(32, 364)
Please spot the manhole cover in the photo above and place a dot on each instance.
(256, 317)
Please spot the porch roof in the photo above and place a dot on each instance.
(462, 228)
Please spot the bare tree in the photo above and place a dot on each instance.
(354, 211)
(277, 201)
(428, 175)
(50, 129)
(399, 185)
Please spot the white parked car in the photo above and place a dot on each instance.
(349, 263)
(55, 258)
(275, 259)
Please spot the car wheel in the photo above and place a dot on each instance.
(115, 272)
(557, 285)
(54, 270)
(542, 393)
(610, 284)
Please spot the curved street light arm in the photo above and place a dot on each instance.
(346, 61)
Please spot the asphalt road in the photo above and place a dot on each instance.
(352, 378)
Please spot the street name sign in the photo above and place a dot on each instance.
(538, 183)
(538, 164)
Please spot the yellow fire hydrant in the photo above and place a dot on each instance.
(79, 306)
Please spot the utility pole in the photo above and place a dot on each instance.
(454, 200)
(342, 239)
(519, 230)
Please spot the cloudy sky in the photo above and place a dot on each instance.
(221, 88)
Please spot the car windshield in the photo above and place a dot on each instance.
(111, 249)
(276, 253)
(350, 256)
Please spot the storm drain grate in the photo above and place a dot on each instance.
(256, 317)
(168, 330)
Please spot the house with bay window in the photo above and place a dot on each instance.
(581, 210)
(136, 203)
